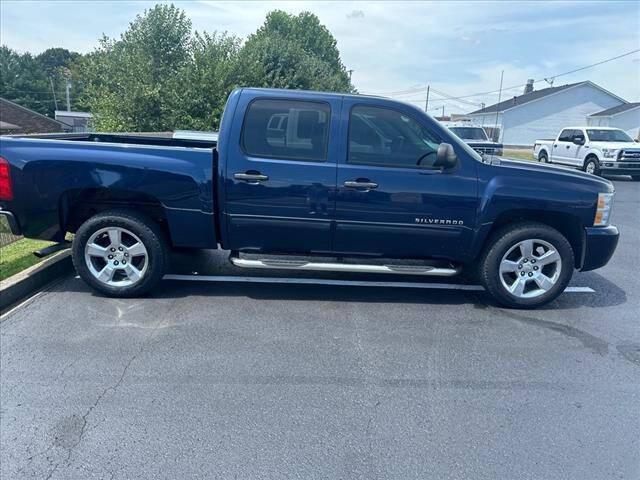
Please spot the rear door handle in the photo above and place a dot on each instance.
(251, 177)
(361, 185)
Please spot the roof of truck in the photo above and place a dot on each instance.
(314, 92)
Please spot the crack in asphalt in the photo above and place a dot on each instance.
(111, 388)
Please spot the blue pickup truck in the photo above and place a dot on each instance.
(309, 181)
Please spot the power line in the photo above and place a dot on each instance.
(451, 97)
(422, 88)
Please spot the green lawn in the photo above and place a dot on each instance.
(17, 256)
(519, 154)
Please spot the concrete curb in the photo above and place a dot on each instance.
(22, 284)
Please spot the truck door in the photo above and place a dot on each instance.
(390, 200)
(561, 147)
(576, 150)
(280, 175)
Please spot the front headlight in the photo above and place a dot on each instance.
(609, 152)
(603, 210)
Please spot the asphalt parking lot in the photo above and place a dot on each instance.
(248, 380)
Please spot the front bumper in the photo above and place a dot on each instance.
(619, 168)
(600, 243)
(8, 223)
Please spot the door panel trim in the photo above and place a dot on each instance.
(274, 217)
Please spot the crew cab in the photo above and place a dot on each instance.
(595, 150)
(476, 138)
(309, 181)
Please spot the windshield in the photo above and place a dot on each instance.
(608, 136)
(470, 133)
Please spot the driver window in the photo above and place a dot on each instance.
(386, 137)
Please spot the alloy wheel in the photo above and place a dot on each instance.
(116, 257)
(530, 268)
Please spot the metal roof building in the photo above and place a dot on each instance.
(543, 113)
(625, 117)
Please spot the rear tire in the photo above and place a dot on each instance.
(542, 158)
(120, 253)
(526, 265)
(592, 166)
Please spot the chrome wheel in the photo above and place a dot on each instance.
(543, 159)
(530, 268)
(591, 167)
(116, 257)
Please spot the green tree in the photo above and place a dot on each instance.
(208, 79)
(135, 83)
(23, 81)
(56, 64)
(31, 81)
(161, 76)
(293, 51)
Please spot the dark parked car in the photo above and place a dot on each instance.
(366, 180)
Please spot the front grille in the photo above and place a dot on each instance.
(485, 150)
(629, 156)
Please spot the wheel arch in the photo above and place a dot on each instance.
(570, 226)
(543, 151)
(589, 156)
(78, 205)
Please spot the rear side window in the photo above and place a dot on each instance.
(287, 129)
(565, 135)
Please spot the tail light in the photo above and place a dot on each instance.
(6, 191)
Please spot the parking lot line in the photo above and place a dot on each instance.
(352, 283)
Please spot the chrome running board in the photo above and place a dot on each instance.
(345, 267)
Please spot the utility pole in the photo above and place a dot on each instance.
(443, 112)
(68, 89)
(349, 72)
(495, 128)
(426, 104)
(53, 90)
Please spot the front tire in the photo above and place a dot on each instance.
(592, 166)
(120, 253)
(526, 265)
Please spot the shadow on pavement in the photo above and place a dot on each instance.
(606, 293)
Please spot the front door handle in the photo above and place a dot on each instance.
(568, 146)
(361, 185)
(253, 178)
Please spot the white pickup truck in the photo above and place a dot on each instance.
(595, 150)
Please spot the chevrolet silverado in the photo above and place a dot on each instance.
(332, 182)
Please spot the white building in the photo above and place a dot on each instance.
(76, 121)
(543, 113)
(625, 117)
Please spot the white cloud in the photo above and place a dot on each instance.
(457, 47)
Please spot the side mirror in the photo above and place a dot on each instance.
(446, 157)
(578, 140)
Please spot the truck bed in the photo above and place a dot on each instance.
(56, 177)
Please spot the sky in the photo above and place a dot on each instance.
(458, 48)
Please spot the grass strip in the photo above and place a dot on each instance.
(18, 256)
